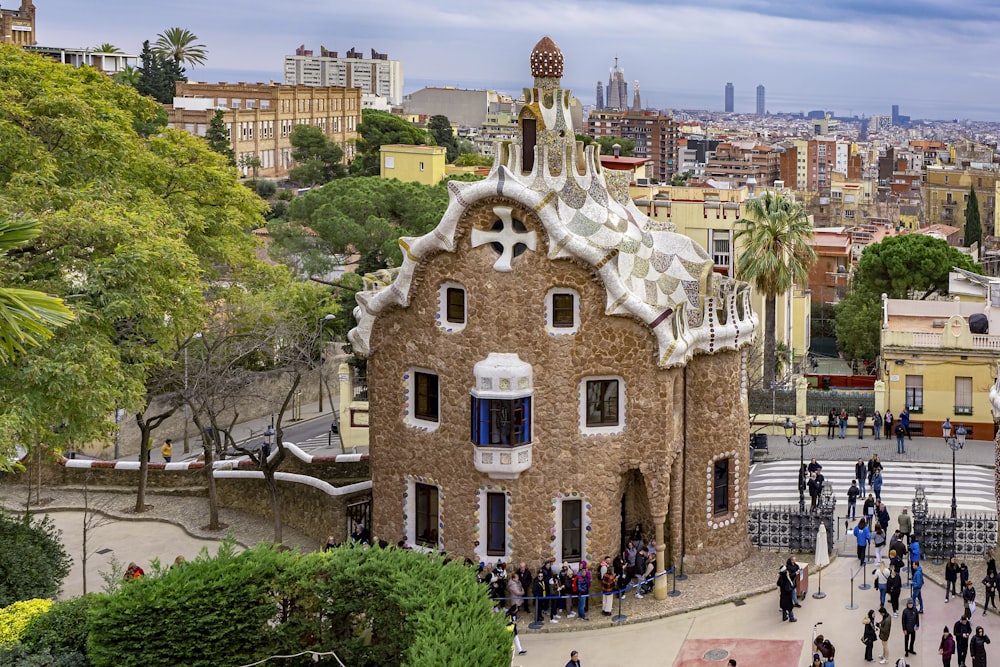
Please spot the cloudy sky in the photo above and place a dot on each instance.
(935, 58)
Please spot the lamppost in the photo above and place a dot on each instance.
(955, 444)
(801, 441)
(186, 417)
(268, 441)
(319, 344)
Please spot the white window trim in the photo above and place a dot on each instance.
(582, 395)
(584, 529)
(562, 331)
(410, 514)
(481, 526)
(442, 314)
(410, 384)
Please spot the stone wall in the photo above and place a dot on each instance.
(506, 313)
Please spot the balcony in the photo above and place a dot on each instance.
(502, 461)
(939, 341)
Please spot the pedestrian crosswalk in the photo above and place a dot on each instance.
(321, 441)
(776, 482)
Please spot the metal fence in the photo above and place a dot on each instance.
(943, 537)
(772, 401)
(360, 387)
(785, 528)
(819, 402)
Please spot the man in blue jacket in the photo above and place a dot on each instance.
(917, 584)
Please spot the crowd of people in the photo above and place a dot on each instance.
(837, 423)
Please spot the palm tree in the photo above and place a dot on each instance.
(775, 255)
(107, 48)
(27, 317)
(129, 76)
(178, 44)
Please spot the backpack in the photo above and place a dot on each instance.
(900, 430)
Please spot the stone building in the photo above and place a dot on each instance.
(17, 26)
(548, 369)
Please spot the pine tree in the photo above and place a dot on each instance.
(218, 137)
(973, 226)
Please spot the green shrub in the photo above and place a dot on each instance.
(62, 630)
(14, 618)
(266, 189)
(33, 562)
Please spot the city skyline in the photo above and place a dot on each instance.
(848, 57)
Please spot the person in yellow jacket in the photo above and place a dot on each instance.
(167, 450)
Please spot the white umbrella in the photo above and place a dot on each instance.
(822, 559)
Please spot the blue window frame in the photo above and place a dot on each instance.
(501, 421)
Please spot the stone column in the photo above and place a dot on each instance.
(801, 389)
(660, 586)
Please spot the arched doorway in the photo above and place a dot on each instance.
(635, 510)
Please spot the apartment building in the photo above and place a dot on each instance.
(376, 76)
(604, 123)
(656, 139)
(946, 193)
(742, 163)
(260, 117)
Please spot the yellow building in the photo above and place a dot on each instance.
(708, 216)
(420, 164)
(939, 360)
(946, 194)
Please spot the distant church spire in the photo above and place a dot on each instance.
(636, 101)
(617, 89)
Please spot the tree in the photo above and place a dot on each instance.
(857, 324)
(440, 128)
(362, 215)
(218, 137)
(910, 265)
(136, 232)
(179, 45)
(26, 541)
(107, 47)
(474, 160)
(607, 144)
(973, 226)
(158, 76)
(128, 76)
(378, 128)
(775, 255)
(27, 317)
(318, 160)
(251, 162)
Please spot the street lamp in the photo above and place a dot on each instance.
(268, 441)
(955, 444)
(319, 344)
(801, 441)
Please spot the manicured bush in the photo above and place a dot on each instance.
(33, 562)
(61, 631)
(14, 618)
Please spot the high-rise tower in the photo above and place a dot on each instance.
(761, 109)
(636, 100)
(729, 97)
(600, 95)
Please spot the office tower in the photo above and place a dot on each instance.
(617, 89)
(729, 97)
(761, 109)
(600, 96)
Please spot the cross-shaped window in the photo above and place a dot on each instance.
(509, 237)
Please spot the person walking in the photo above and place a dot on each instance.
(969, 598)
(512, 628)
(861, 474)
(831, 424)
(963, 631)
(946, 648)
(574, 659)
(167, 450)
(862, 417)
(950, 579)
(884, 630)
(917, 585)
(868, 637)
(900, 432)
(878, 541)
(877, 484)
(786, 596)
(862, 535)
(989, 591)
(977, 647)
(877, 425)
(869, 509)
(910, 622)
(887, 421)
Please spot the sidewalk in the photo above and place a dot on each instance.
(918, 450)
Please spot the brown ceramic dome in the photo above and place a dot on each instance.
(546, 59)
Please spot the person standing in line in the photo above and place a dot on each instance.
(843, 423)
(963, 631)
(950, 579)
(862, 417)
(888, 424)
(608, 582)
(904, 419)
(852, 500)
(877, 425)
(574, 659)
(917, 585)
(860, 474)
(905, 522)
(538, 591)
(882, 514)
(977, 647)
(894, 588)
(881, 581)
(910, 622)
(884, 630)
(989, 591)
(862, 535)
(900, 432)
(831, 424)
(878, 540)
(946, 648)
(523, 575)
(868, 636)
(963, 575)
